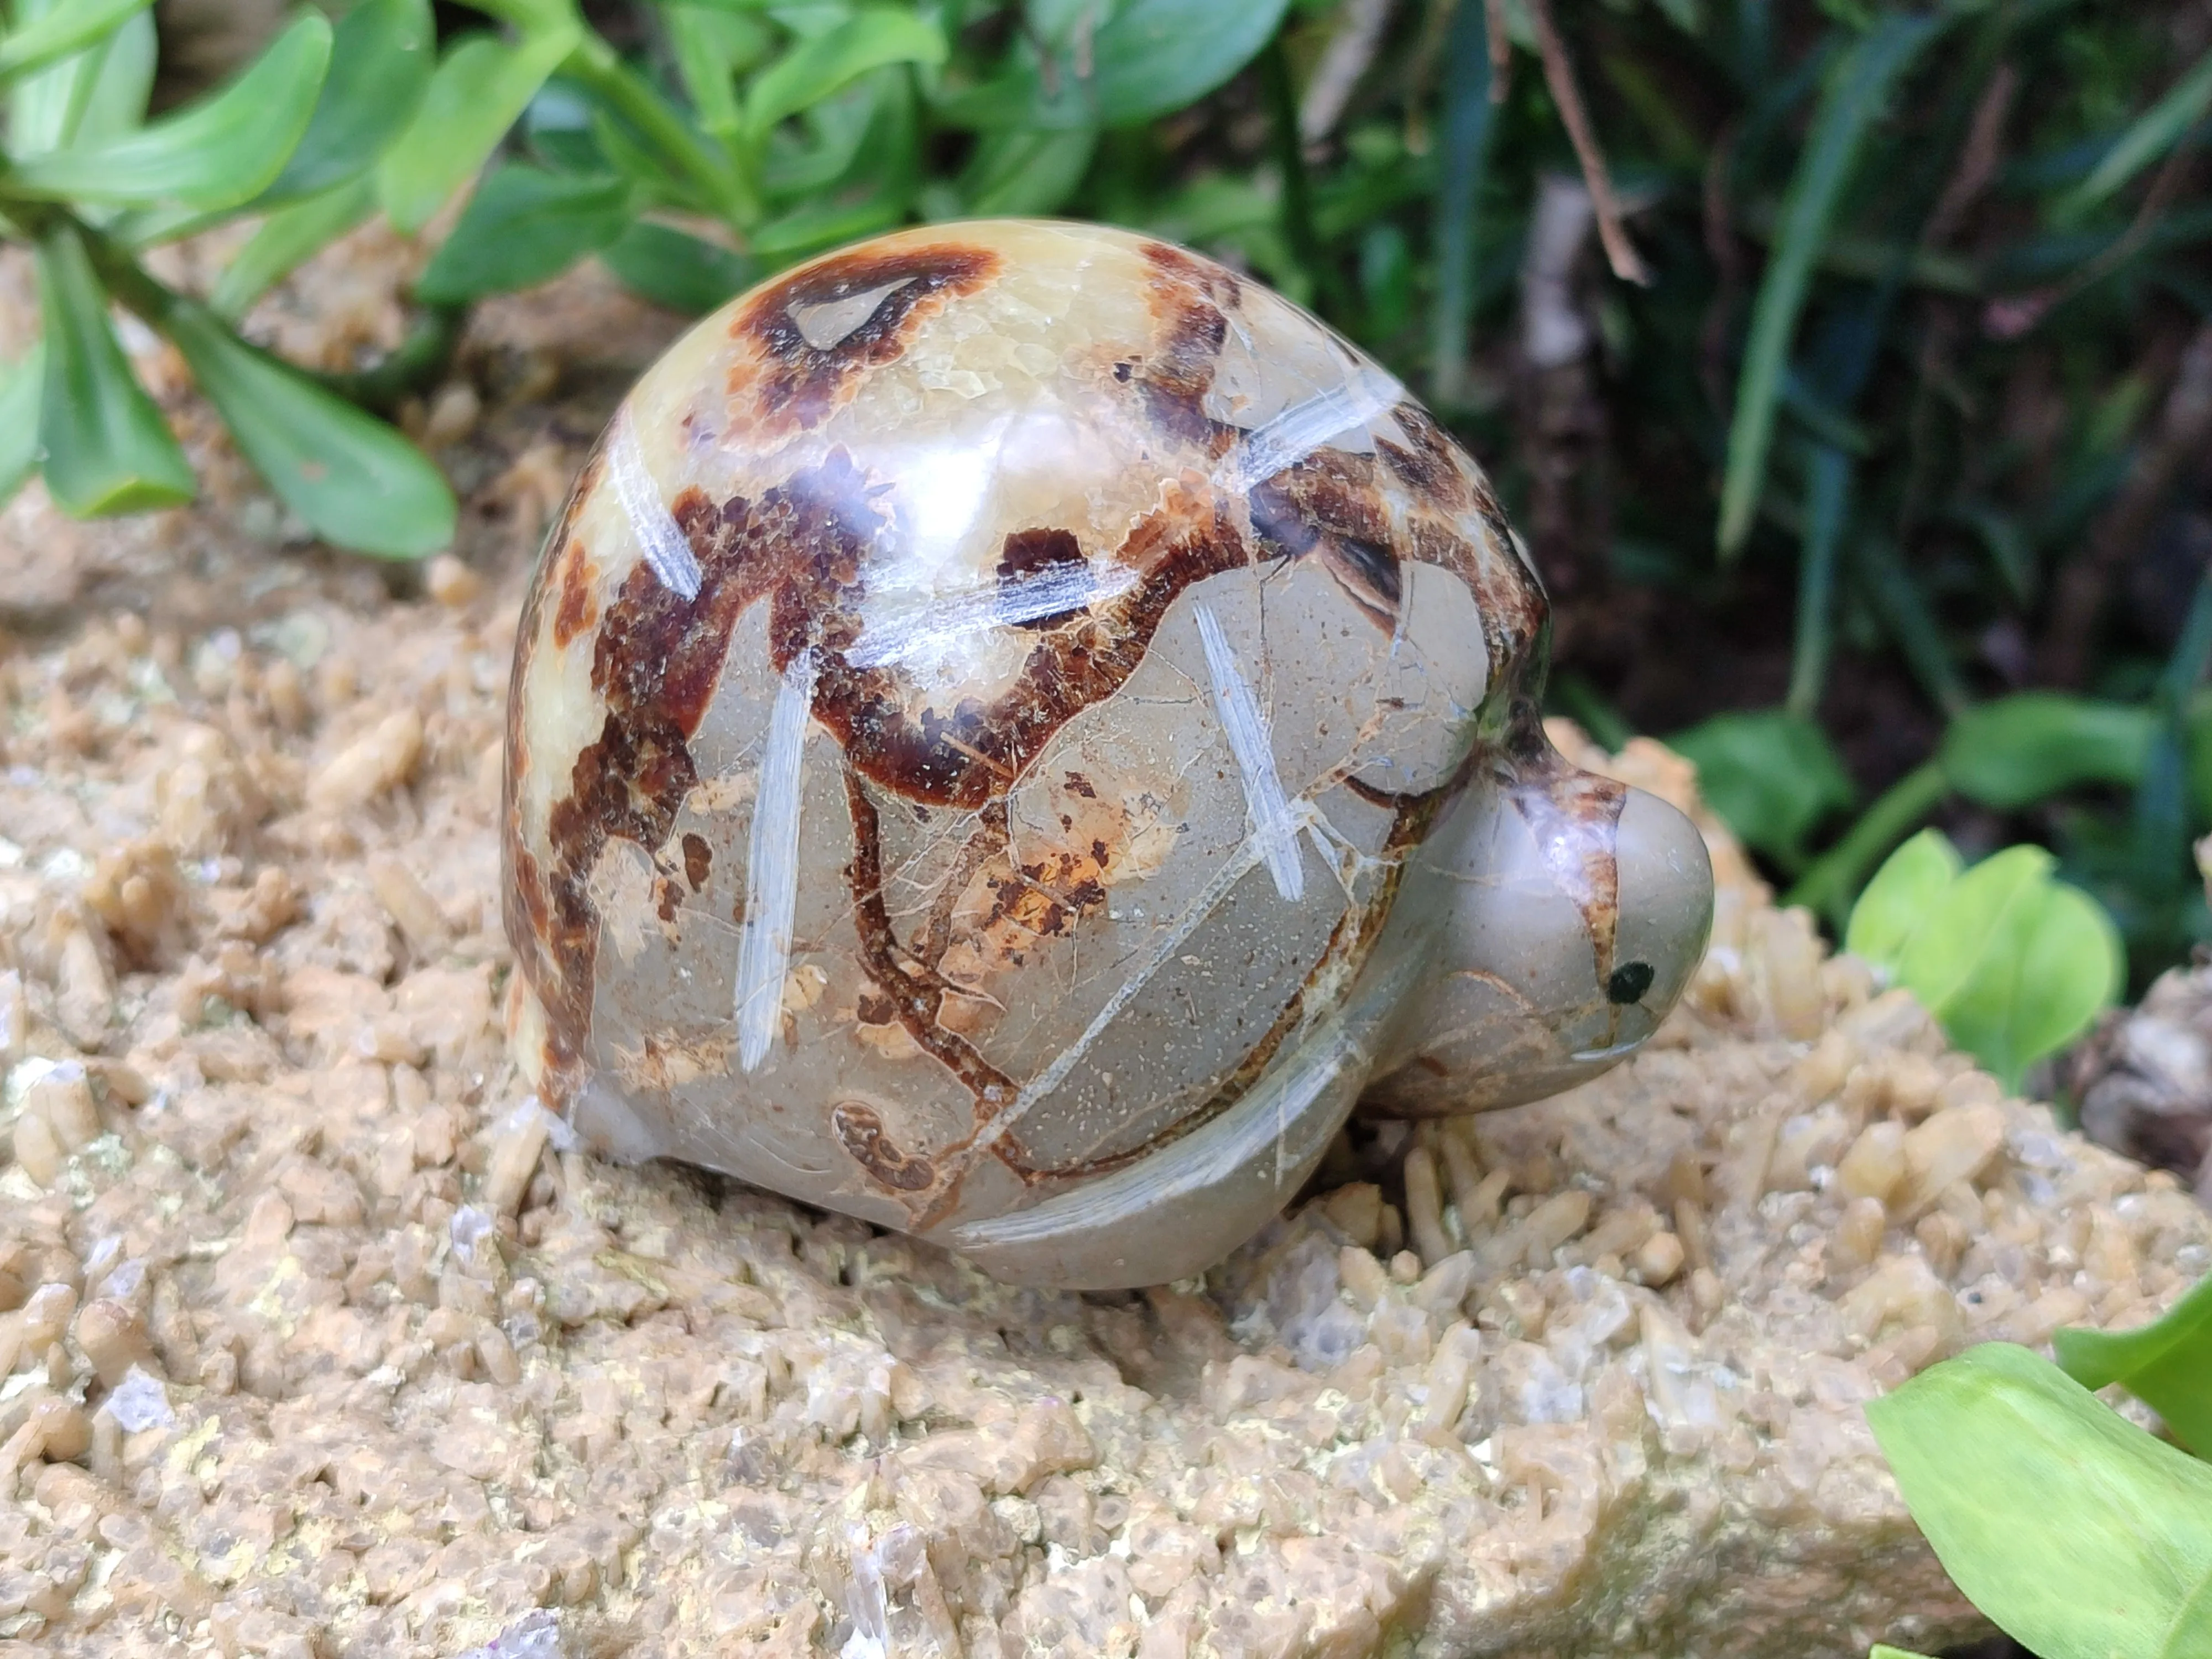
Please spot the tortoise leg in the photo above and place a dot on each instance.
(1577, 909)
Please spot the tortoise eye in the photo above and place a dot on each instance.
(1628, 983)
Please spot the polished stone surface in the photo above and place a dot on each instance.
(1017, 728)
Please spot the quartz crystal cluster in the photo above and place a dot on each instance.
(1017, 728)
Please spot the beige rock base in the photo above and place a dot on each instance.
(315, 1345)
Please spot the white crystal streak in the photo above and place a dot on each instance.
(666, 549)
(1272, 826)
(772, 867)
(928, 627)
(1305, 426)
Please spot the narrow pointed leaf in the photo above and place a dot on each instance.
(218, 153)
(1850, 100)
(2156, 131)
(2080, 1536)
(381, 56)
(68, 27)
(107, 449)
(2167, 1365)
(100, 92)
(285, 238)
(21, 383)
(812, 70)
(478, 91)
(357, 482)
(523, 226)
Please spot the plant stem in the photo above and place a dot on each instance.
(415, 364)
(1837, 875)
(596, 65)
(1297, 190)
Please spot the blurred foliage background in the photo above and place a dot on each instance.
(1846, 365)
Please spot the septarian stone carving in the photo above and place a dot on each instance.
(1019, 731)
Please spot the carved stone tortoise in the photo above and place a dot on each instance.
(1019, 730)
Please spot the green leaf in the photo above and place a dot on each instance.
(523, 226)
(1903, 894)
(1969, 917)
(711, 48)
(1851, 99)
(357, 482)
(285, 238)
(2154, 133)
(477, 92)
(1015, 174)
(107, 449)
(1883, 1651)
(20, 385)
(1154, 56)
(216, 154)
(2014, 964)
(2167, 1365)
(2057, 963)
(2078, 1535)
(673, 269)
(812, 70)
(61, 30)
(1771, 774)
(2028, 747)
(95, 94)
(381, 57)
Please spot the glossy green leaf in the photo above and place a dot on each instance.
(812, 70)
(107, 449)
(479, 89)
(1771, 774)
(381, 56)
(1850, 100)
(2078, 1535)
(284, 239)
(2167, 1365)
(215, 154)
(523, 226)
(2054, 964)
(1967, 919)
(1883, 1651)
(357, 482)
(2014, 963)
(95, 93)
(21, 383)
(60, 30)
(1902, 895)
(671, 268)
(2152, 135)
(1154, 56)
(2026, 748)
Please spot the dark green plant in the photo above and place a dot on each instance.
(2079, 1534)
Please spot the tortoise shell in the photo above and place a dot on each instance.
(1018, 729)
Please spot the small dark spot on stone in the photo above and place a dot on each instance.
(860, 1131)
(1628, 982)
(875, 1010)
(698, 860)
(1079, 785)
(1122, 370)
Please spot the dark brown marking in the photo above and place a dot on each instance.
(1037, 553)
(986, 843)
(1189, 298)
(1430, 465)
(579, 610)
(698, 860)
(1328, 505)
(665, 899)
(788, 383)
(861, 1132)
(915, 998)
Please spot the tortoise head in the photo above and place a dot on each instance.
(1578, 908)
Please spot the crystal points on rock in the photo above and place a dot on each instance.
(1016, 728)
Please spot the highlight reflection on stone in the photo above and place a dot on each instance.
(1018, 730)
